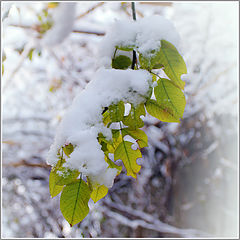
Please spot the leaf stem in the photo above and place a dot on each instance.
(134, 59)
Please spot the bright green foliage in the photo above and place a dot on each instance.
(133, 120)
(168, 106)
(171, 98)
(129, 156)
(121, 62)
(74, 202)
(98, 193)
(174, 65)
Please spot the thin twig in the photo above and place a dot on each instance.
(90, 10)
(163, 4)
(74, 30)
(24, 55)
(89, 32)
(146, 220)
(26, 164)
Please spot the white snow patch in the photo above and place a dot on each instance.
(83, 121)
(145, 34)
(63, 20)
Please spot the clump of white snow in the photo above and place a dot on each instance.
(63, 20)
(144, 36)
(83, 121)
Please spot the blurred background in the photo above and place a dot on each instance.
(188, 184)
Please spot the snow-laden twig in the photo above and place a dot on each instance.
(146, 221)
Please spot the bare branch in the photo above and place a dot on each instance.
(26, 164)
(147, 221)
(35, 28)
(90, 10)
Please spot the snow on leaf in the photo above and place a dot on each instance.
(65, 176)
(74, 202)
(117, 112)
(129, 156)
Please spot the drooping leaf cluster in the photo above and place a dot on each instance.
(165, 101)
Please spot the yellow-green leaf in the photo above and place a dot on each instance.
(68, 149)
(54, 189)
(129, 156)
(113, 165)
(106, 118)
(160, 111)
(171, 98)
(99, 192)
(133, 120)
(139, 135)
(74, 202)
(174, 65)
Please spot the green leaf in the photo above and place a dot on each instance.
(171, 98)
(174, 65)
(139, 135)
(160, 111)
(121, 62)
(54, 189)
(133, 119)
(116, 112)
(74, 202)
(99, 192)
(129, 156)
(68, 149)
(65, 176)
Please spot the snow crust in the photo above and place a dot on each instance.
(63, 20)
(83, 121)
(145, 34)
